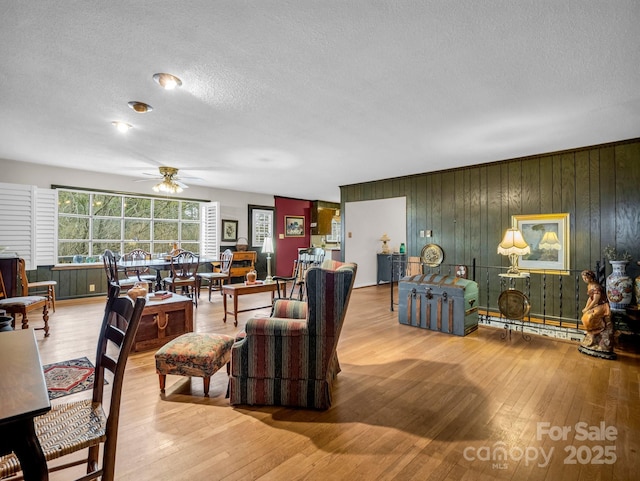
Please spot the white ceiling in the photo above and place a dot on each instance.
(298, 97)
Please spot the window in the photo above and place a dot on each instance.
(260, 224)
(335, 231)
(90, 222)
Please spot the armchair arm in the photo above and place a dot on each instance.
(288, 309)
(273, 326)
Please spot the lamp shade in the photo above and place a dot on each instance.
(513, 243)
(550, 241)
(267, 246)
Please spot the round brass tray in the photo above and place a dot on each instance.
(513, 304)
(432, 255)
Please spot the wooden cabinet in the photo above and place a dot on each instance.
(9, 271)
(321, 215)
(243, 262)
(391, 267)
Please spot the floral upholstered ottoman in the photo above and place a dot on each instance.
(194, 354)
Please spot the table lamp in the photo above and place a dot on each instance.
(267, 248)
(513, 245)
(385, 238)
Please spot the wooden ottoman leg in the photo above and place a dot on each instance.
(206, 381)
(163, 379)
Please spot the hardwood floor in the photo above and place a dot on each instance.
(408, 404)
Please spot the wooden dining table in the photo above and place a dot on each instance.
(23, 396)
(157, 264)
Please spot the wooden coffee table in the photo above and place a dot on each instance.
(237, 290)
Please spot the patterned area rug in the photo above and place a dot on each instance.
(68, 377)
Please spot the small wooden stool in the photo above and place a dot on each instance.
(194, 354)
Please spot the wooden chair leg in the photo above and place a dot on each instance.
(52, 297)
(45, 318)
(163, 379)
(206, 381)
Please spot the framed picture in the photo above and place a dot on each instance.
(548, 239)
(293, 226)
(229, 230)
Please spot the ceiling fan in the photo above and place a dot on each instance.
(170, 183)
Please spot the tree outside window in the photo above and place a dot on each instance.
(91, 222)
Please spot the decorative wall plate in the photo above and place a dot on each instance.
(432, 255)
(513, 304)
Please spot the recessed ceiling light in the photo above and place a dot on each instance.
(167, 81)
(121, 126)
(140, 107)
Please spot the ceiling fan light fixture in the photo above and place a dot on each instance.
(121, 126)
(140, 107)
(167, 81)
(167, 186)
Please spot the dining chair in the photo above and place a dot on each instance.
(307, 258)
(24, 304)
(48, 286)
(138, 273)
(184, 267)
(217, 278)
(75, 426)
(113, 272)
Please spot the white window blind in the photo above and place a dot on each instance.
(17, 218)
(210, 231)
(28, 216)
(46, 227)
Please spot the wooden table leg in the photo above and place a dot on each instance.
(235, 308)
(224, 306)
(26, 446)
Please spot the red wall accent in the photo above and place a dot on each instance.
(287, 247)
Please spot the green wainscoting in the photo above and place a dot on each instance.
(468, 209)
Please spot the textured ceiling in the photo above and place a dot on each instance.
(296, 98)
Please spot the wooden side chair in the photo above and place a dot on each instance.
(75, 426)
(307, 258)
(23, 305)
(47, 287)
(184, 267)
(112, 271)
(216, 279)
(138, 273)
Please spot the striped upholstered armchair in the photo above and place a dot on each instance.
(289, 359)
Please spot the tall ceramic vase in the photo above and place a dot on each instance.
(619, 286)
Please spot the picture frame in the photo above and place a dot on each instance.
(229, 230)
(548, 239)
(293, 226)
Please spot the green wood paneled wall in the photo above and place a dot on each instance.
(469, 208)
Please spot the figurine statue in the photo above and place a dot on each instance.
(596, 318)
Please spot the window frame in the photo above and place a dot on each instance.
(256, 236)
(156, 246)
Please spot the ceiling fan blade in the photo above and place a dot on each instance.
(181, 184)
(187, 177)
(157, 179)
